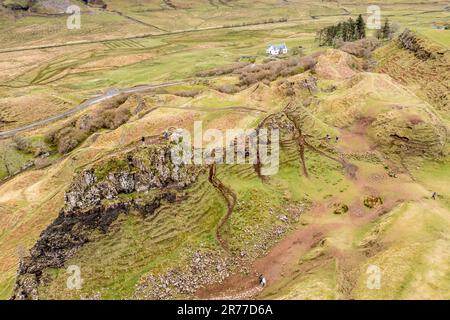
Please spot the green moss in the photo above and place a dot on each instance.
(111, 166)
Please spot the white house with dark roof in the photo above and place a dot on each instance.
(277, 49)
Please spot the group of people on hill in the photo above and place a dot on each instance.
(328, 137)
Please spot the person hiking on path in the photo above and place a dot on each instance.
(337, 139)
(328, 137)
(262, 281)
(434, 196)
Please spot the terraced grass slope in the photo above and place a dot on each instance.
(428, 76)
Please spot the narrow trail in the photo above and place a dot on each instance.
(349, 168)
(300, 140)
(250, 293)
(230, 198)
(301, 144)
(282, 259)
(257, 165)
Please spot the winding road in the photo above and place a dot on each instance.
(110, 93)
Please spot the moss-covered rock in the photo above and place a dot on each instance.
(137, 171)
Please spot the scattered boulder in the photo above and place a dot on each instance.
(205, 268)
(310, 84)
(340, 208)
(372, 201)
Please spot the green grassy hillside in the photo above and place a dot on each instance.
(364, 143)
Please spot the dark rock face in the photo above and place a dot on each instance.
(92, 203)
(409, 41)
(58, 243)
(95, 3)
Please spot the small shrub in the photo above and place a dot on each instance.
(111, 115)
(50, 137)
(41, 163)
(274, 69)
(187, 93)
(361, 48)
(22, 144)
(223, 70)
(340, 208)
(69, 139)
(228, 88)
(40, 148)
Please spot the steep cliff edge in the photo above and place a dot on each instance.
(141, 179)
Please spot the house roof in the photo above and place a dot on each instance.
(278, 46)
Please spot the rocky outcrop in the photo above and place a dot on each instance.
(149, 168)
(408, 40)
(146, 177)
